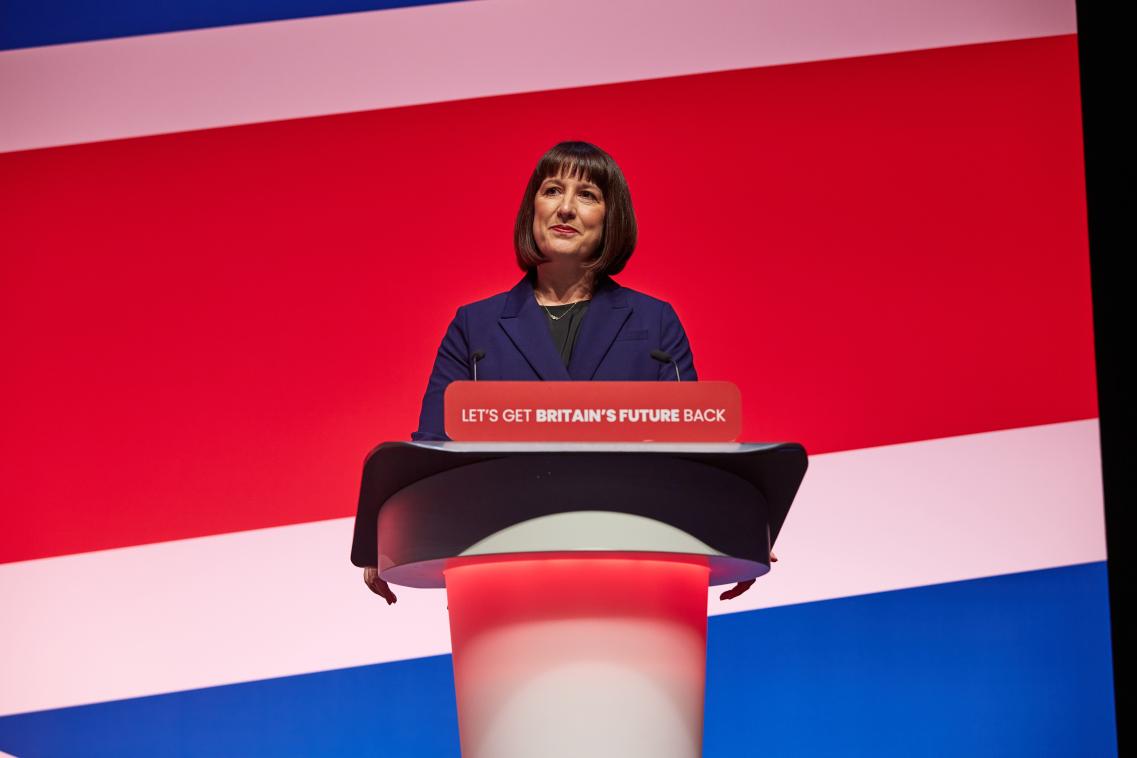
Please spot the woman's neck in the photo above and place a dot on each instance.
(561, 285)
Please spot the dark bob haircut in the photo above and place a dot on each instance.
(581, 160)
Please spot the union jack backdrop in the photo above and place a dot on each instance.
(233, 233)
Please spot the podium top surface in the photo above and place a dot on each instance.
(775, 469)
(726, 448)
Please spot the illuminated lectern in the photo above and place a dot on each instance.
(576, 575)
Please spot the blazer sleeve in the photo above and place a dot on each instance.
(674, 341)
(451, 364)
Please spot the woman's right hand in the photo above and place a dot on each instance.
(377, 585)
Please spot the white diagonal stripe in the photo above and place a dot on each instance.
(272, 602)
(180, 81)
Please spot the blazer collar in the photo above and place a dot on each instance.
(526, 324)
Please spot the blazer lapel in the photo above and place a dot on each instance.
(607, 313)
(527, 327)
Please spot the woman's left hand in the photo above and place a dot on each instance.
(741, 587)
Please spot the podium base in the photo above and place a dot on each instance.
(579, 656)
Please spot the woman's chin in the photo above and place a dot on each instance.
(565, 253)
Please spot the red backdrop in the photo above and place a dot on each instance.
(206, 332)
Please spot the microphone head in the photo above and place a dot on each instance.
(662, 356)
(477, 355)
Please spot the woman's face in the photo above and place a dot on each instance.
(569, 218)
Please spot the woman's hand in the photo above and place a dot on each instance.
(377, 585)
(741, 587)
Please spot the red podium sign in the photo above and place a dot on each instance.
(593, 411)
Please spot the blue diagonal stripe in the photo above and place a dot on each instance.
(28, 23)
(1015, 665)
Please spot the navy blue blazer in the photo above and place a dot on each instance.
(616, 338)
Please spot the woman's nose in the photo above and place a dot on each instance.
(565, 209)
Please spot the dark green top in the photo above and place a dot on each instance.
(566, 326)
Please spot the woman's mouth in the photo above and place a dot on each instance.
(565, 230)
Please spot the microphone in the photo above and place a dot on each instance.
(665, 357)
(476, 356)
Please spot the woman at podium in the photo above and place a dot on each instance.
(567, 319)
